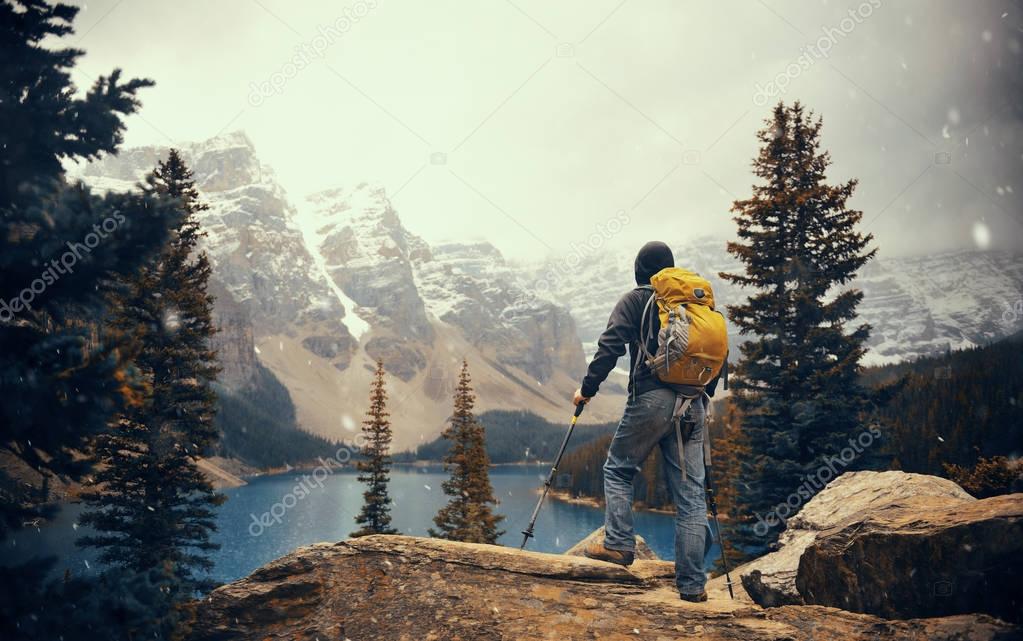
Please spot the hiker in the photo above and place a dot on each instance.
(648, 421)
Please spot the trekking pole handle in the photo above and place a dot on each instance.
(579, 409)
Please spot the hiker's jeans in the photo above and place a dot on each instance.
(646, 423)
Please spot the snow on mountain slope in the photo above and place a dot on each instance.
(916, 306)
(337, 282)
(258, 254)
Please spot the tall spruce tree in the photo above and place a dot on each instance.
(375, 467)
(58, 242)
(151, 506)
(469, 514)
(796, 389)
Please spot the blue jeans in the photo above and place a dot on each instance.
(647, 422)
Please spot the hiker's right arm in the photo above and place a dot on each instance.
(621, 330)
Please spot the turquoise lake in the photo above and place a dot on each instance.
(327, 513)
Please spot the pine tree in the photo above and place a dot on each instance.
(469, 514)
(797, 387)
(58, 241)
(374, 469)
(151, 506)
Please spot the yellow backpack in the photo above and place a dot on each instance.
(692, 344)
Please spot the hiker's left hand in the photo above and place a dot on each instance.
(579, 398)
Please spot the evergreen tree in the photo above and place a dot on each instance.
(152, 507)
(469, 514)
(374, 468)
(58, 241)
(797, 388)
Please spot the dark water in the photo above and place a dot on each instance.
(299, 513)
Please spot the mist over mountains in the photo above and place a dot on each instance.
(316, 289)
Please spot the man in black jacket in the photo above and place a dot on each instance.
(646, 423)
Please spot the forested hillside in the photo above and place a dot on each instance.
(258, 425)
(954, 409)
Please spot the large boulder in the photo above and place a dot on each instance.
(643, 550)
(771, 579)
(404, 588)
(921, 556)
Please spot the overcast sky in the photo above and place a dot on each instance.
(528, 122)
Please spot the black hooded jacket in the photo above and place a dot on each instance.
(623, 329)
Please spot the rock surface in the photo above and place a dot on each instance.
(397, 587)
(643, 551)
(771, 579)
(921, 556)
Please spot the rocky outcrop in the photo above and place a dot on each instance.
(336, 349)
(399, 357)
(643, 551)
(397, 587)
(771, 579)
(921, 556)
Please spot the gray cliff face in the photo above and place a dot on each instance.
(472, 287)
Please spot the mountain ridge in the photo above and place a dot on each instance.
(334, 281)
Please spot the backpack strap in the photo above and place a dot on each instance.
(643, 337)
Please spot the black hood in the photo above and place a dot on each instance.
(652, 258)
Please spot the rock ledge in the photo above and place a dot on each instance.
(398, 587)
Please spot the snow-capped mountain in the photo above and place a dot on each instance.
(324, 287)
(319, 289)
(916, 306)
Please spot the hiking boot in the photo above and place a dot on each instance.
(693, 598)
(596, 550)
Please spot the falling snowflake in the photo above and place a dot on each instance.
(428, 487)
(981, 235)
(171, 320)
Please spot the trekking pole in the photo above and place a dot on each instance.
(713, 504)
(528, 532)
